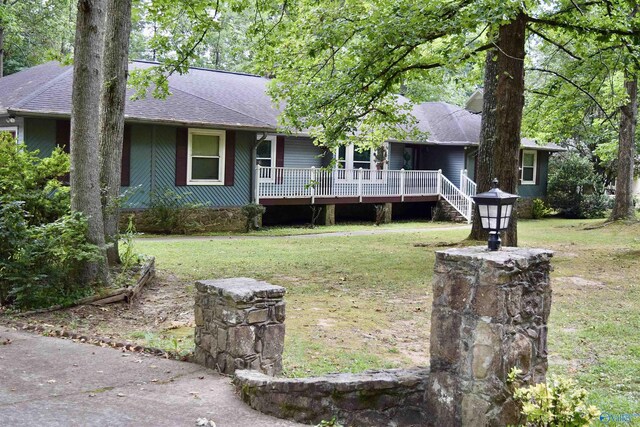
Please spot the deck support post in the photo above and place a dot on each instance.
(256, 198)
(328, 215)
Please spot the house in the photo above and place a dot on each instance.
(214, 141)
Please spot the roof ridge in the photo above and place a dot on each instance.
(239, 73)
(42, 89)
(219, 105)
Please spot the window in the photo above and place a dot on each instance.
(13, 131)
(348, 157)
(265, 156)
(529, 167)
(205, 158)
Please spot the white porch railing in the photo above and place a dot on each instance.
(292, 183)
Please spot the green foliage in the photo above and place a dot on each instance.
(42, 245)
(33, 180)
(574, 189)
(539, 209)
(559, 402)
(253, 212)
(173, 213)
(333, 422)
(41, 265)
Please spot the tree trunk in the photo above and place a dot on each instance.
(503, 161)
(484, 174)
(1, 51)
(85, 182)
(623, 205)
(112, 103)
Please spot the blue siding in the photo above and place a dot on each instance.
(540, 189)
(137, 195)
(164, 166)
(301, 153)
(40, 134)
(449, 159)
(396, 156)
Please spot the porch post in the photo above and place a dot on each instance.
(257, 186)
(402, 184)
(439, 183)
(360, 184)
(312, 185)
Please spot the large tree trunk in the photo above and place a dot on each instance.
(85, 182)
(484, 174)
(623, 206)
(1, 51)
(112, 103)
(503, 161)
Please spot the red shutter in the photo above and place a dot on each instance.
(63, 140)
(63, 134)
(125, 171)
(182, 142)
(279, 158)
(230, 158)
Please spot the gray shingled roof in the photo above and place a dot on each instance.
(202, 97)
(214, 98)
(447, 124)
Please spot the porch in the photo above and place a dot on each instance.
(280, 186)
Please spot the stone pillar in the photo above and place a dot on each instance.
(328, 215)
(239, 325)
(490, 312)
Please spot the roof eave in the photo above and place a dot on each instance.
(146, 120)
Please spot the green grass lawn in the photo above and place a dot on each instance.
(362, 302)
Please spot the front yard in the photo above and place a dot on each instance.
(364, 301)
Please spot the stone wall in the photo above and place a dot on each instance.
(239, 324)
(375, 398)
(186, 220)
(490, 312)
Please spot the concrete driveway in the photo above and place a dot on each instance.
(55, 382)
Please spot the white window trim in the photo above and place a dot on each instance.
(348, 163)
(214, 132)
(272, 175)
(535, 167)
(12, 129)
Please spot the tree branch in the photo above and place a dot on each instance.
(556, 44)
(605, 31)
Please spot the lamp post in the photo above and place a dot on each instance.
(495, 207)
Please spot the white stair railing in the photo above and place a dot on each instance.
(467, 186)
(456, 198)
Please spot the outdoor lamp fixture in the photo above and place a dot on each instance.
(495, 207)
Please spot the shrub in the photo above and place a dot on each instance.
(558, 402)
(170, 212)
(574, 189)
(33, 180)
(253, 212)
(40, 265)
(539, 209)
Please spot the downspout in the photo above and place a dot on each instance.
(253, 165)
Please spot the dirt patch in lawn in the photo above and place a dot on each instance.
(396, 331)
(158, 318)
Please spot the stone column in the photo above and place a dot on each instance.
(239, 325)
(490, 312)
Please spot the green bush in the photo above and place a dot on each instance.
(253, 212)
(42, 245)
(558, 402)
(574, 189)
(33, 180)
(539, 209)
(171, 213)
(40, 265)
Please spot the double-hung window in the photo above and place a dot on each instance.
(529, 167)
(205, 160)
(266, 157)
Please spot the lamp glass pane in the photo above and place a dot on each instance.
(483, 211)
(506, 216)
